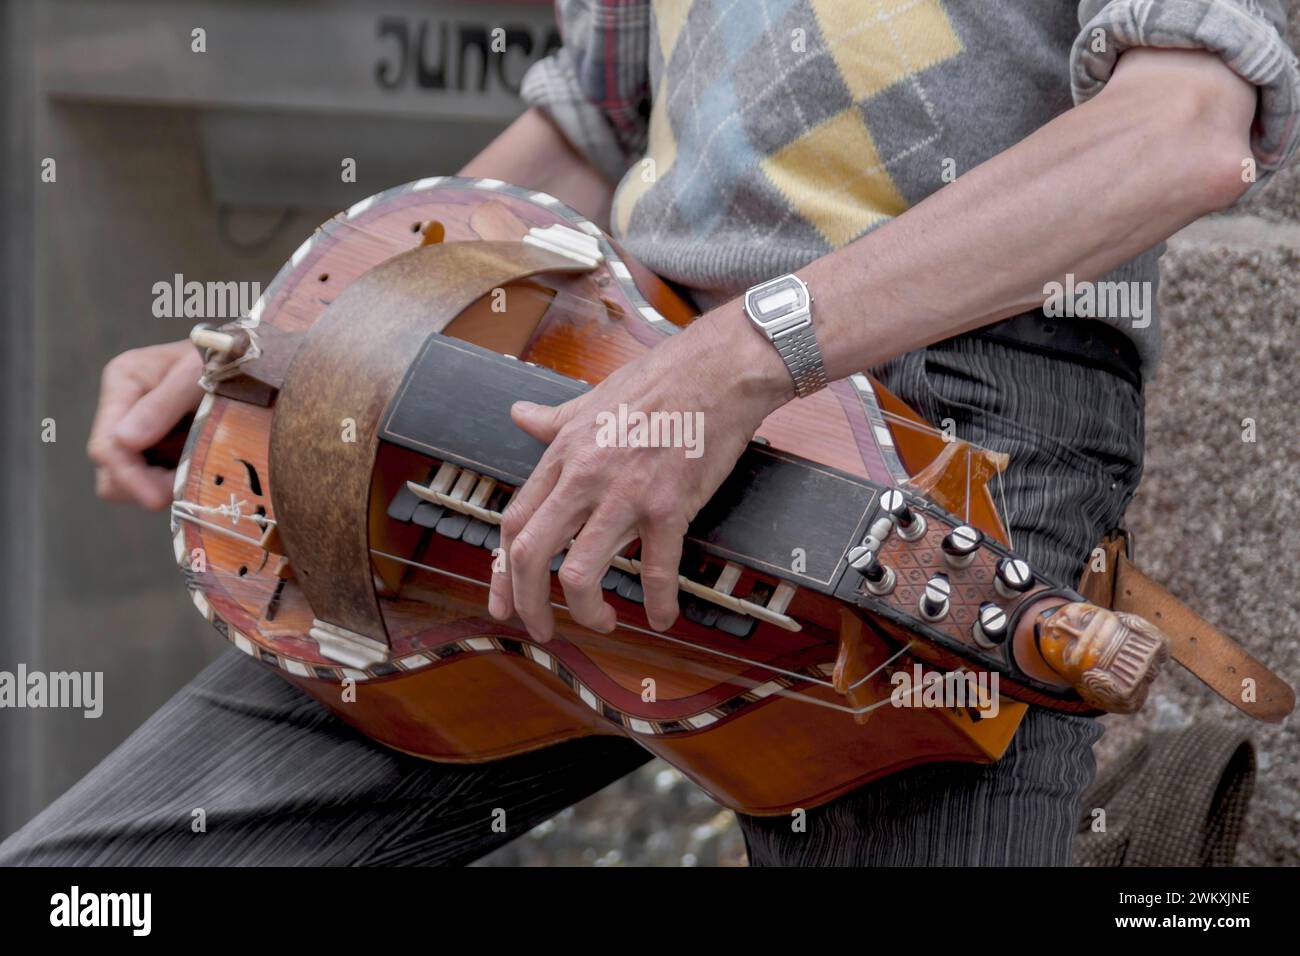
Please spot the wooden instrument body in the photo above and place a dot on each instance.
(757, 721)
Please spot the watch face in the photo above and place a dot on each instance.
(776, 300)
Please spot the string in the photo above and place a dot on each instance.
(966, 498)
(1005, 513)
(186, 516)
(226, 511)
(247, 583)
(771, 668)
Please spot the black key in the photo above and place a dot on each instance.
(612, 576)
(493, 539)
(476, 533)
(737, 625)
(427, 514)
(556, 562)
(699, 611)
(630, 588)
(452, 525)
(403, 504)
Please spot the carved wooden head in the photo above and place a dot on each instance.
(1109, 657)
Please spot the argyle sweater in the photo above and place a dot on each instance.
(750, 137)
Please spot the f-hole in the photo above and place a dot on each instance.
(254, 480)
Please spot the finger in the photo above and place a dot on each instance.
(118, 391)
(539, 421)
(152, 487)
(543, 422)
(155, 414)
(661, 556)
(605, 534)
(126, 477)
(106, 488)
(545, 535)
(527, 498)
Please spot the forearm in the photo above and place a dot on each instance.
(1160, 147)
(534, 154)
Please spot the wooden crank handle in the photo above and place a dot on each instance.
(167, 452)
(230, 341)
(1109, 657)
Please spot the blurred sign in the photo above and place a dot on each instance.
(403, 57)
(287, 90)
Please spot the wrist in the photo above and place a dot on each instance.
(753, 366)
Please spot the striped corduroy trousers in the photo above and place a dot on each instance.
(281, 781)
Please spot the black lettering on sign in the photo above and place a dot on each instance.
(463, 56)
(386, 73)
(431, 72)
(472, 36)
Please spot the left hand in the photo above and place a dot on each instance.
(719, 372)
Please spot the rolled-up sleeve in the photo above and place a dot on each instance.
(596, 86)
(1246, 34)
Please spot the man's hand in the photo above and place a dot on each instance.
(143, 393)
(722, 375)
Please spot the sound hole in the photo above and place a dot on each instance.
(254, 480)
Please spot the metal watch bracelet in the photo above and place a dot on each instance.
(803, 357)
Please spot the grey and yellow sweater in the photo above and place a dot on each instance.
(750, 137)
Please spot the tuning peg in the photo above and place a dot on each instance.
(934, 601)
(910, 524)
(960, 545)
(879, 579)
(1012, 578)
(990, 629)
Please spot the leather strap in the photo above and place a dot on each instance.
(348, 368)
(1217, 660)
(1088, 341)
